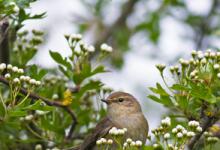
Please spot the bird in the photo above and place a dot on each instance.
(123, 111)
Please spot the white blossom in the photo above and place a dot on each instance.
(190, 134)
(20, 71)
(166, 136)
(216, 66)
(16, 80)
(9, 66)
(129, 140)
(91, 48)
(106, 47)
(193, 123)
(218, 75)
(174, 130)
(29, 117)
(179, 135)
(166, 122)
(76, 36)
(133, 143)
(110, 141)
(7, 76)
(199, 129)
(2, 66)
(155, 145)
(15, 69)
(38, 147)
(138, 143)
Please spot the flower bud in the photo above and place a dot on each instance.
(7, 76)
(106, 48)
(166, 136)
(161, 67)
(138, 143)
(16, 81)
(2, 66)
(179, 135)
(9, 67)
(190, 134)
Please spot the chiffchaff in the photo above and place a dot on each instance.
(123, 111)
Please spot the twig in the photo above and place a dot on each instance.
(49, 102)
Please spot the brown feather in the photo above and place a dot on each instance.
(100, 131)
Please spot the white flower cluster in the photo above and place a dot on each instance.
(174, 69)
(161, 67)
(15, 7)
(105, 47)
(210, 138)
(38, 147)
(195, 125)
(199, 59)
(183, 62)
(130, 143)
(166, 122)
(76, 37)
(180, 131)
(104, 141)
(16, 73)
(115, 131)
(11, 68)
(86, 47)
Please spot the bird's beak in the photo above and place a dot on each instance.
(105, 101)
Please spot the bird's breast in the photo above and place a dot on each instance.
(136, 125)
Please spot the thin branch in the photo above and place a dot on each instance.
(120, 22)
(208, 122)
(49, 102)
(205, 25)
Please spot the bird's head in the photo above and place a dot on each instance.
(121, 103)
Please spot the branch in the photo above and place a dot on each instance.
(50, 103)
(208, 122)
(4, 41)
(205, 25)
(120, 22)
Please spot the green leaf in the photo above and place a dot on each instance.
(35, 72)
(182, 101)
(66, 72)
(87, 72)
(165, 100)
(60, 60)
(179, 87)
(17, 113)
(202, 92)
(39, 105)
(159, 90)
(2, 110)
(91, 85)
(99, 69)
(155, 98)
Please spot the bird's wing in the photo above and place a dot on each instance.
(100, 130)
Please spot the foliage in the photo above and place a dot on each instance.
(55, 108)
(146, 20)
(194, 94)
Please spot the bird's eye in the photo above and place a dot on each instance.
(120, 99)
